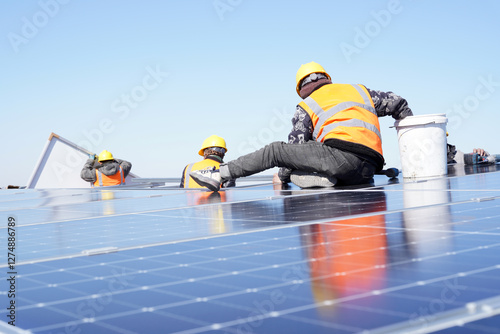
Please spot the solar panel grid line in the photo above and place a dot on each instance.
(62, 286)
(135, 308)
(137, 288)
(95, 195)
(117, 329)
(184, 252)
(228, 324)
(189, 280)
(180, 317)
(395, 313)
(319, 323)
(231, 258)
(75, 220)
(448, 283)
(325, 303)
(335, 326)
(103, 318)
(423, 258)
(423, 300)
(470, 312)
(278, 227)
(65, 312)
(46, 208)
(70, 282)
(195, 300)
(133, 247)
(451, 204)
(154, 309)
(75, 323)
(399, 314)
(448, 190)
(45, 202)
(5, 328)
(323, 324)
(476, 327)
(138, 310)
(484, 275)
(456, 233)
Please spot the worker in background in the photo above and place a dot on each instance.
(457, 156)
(104, 170)
(212, 150)
(335, 137)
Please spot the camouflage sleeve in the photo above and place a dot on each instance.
(452, 151)
(88, 171)
(390, 104)
(302, 130)
(125, 165)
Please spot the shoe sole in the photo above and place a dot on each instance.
(205, 181)
(312, 180)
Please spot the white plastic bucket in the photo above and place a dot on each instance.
(422, 145)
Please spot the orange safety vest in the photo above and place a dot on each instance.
(111, 180)
(345, 112)
(189, 182)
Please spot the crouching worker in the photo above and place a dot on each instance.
(212, 150)
(104, 170)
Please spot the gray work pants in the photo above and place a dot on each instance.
(311, 156)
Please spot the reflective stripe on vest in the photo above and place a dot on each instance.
(351, 123)
(324, 115)
(356, 114)
(187, 178)
(110, 180)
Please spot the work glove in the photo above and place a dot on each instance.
(284, 174)
(92, 156)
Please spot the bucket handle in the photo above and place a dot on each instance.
(405, 126)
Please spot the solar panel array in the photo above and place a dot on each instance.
(392, 257)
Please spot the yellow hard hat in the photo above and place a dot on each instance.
(212, 141)
(306, 69)
(105, 155)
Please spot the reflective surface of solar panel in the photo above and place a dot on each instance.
(393, 257)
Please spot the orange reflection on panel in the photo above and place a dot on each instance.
(347, 257)
(215, 212)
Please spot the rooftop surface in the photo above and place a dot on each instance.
(394, 257)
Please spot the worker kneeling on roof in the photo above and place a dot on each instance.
(104, 170)
(212, 150)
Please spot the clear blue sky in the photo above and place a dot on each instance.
(150, 80)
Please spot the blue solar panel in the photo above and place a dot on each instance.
(391, 257)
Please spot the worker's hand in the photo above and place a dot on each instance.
(276, 179)
(284, 174)
(481, 152)
(93, 156)
(277, 184)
